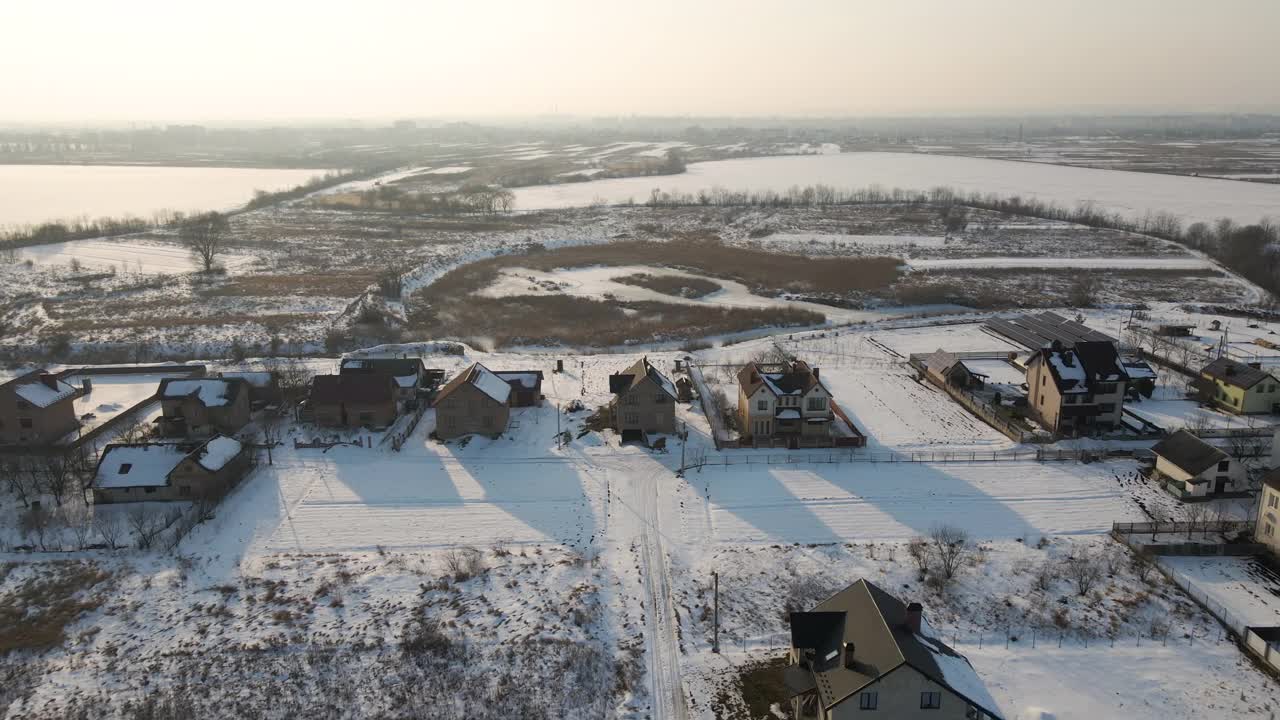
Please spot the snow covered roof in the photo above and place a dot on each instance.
(218, 452)
(407, 381)
(528, 379)
(258, 379)
(211, 392)
(634, 375)
(796, 379)
(1138, 369)
(873, 625)
(151, 464)
(42, 389)
(143, 465)
(788, 414)
(480, 377)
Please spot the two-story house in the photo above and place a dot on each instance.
(36, 409)
(201, 407)
(408, 375)
(1240, 388)
(862, 651)
(644, 401)
(1077, 390)
(476, 401)
(787, 401)
(1267, 527)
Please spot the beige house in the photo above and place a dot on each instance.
(1240, 388)
(644, 401)
(787, 401)
(1077, 390)
(147, 472)
(476, 401)
(1191, 468)
(1267, 530)
(202, 407)
(36, 409)
(862, 651)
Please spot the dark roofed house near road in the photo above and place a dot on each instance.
(409, 375)
(352, 401)
(864, 650)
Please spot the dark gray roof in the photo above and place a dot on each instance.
(1040, 330)
(875, 622)
(396, 367)
(1235, 373)
(622, 382)
(1272, 478)
(1188, 452)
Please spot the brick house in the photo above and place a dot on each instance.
(862, 651)
(644, 401)
(353, 400)
(146, 472)
(202, 407)
(409, 375)
(475, 401)
(785, 401)
(36, 409)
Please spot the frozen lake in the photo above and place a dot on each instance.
(1129, 193)
(31, 194)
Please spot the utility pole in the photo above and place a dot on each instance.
(715, 615)
(559, 438)
(684, 440)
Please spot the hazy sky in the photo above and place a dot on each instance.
(236, 60)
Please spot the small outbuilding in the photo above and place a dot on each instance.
(526, 386)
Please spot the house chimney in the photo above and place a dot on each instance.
(87, 384)
(1068, 359)
(914, 610)
(815, 373)
(50, 381)
(849, 662)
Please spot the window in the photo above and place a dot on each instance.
(185, 491)
(972, 713)
(1106, 388)
(125, 468)
(150, 490)
(930, 700)
(660, 397)
(817, 403)
(24, 423)
(1042, 381)
(631, 418)
(486, 421)
(762, 405)
(1269, 530)
(1222, 466)
(1273, 500)
(24, 405)
(450, 421)
(1042, 399)
(868, 701)
(631, 399)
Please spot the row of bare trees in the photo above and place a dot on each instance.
(29, 478)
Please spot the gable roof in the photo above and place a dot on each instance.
(796, 378)
(358, 388)
(1035, 331)
(152, 464)
(210, 392)
(1236, 374)
(41, 388)
(622, 382)
(875, 623)
(482, 379)
(1188, 452)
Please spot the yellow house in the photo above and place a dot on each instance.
(1240, 388)
(1267, 530)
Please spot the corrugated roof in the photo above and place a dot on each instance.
(1235, 373)
(351, 388)
(1042, 329)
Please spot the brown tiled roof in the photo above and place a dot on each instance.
(1235, 373)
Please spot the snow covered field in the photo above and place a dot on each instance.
(1130, 193)
(1107, 263)
(125, 256)
(1245, 587)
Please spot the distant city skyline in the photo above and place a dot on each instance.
(148, 61)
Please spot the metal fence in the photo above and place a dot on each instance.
(837, 456)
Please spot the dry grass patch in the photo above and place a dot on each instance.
(564, 320)
(347, 284)
(36, 611)
(173, 322)
(674, 285)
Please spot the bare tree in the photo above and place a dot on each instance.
(1143, 563)
(19, 481)
(109, 527)
(951, 545)
(204, 235)
(59, 476)
(39, 524)
(294, 378)
(918, 549)
(1084, 571)
(146, 523)
(1194, 514)
(79, 520)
